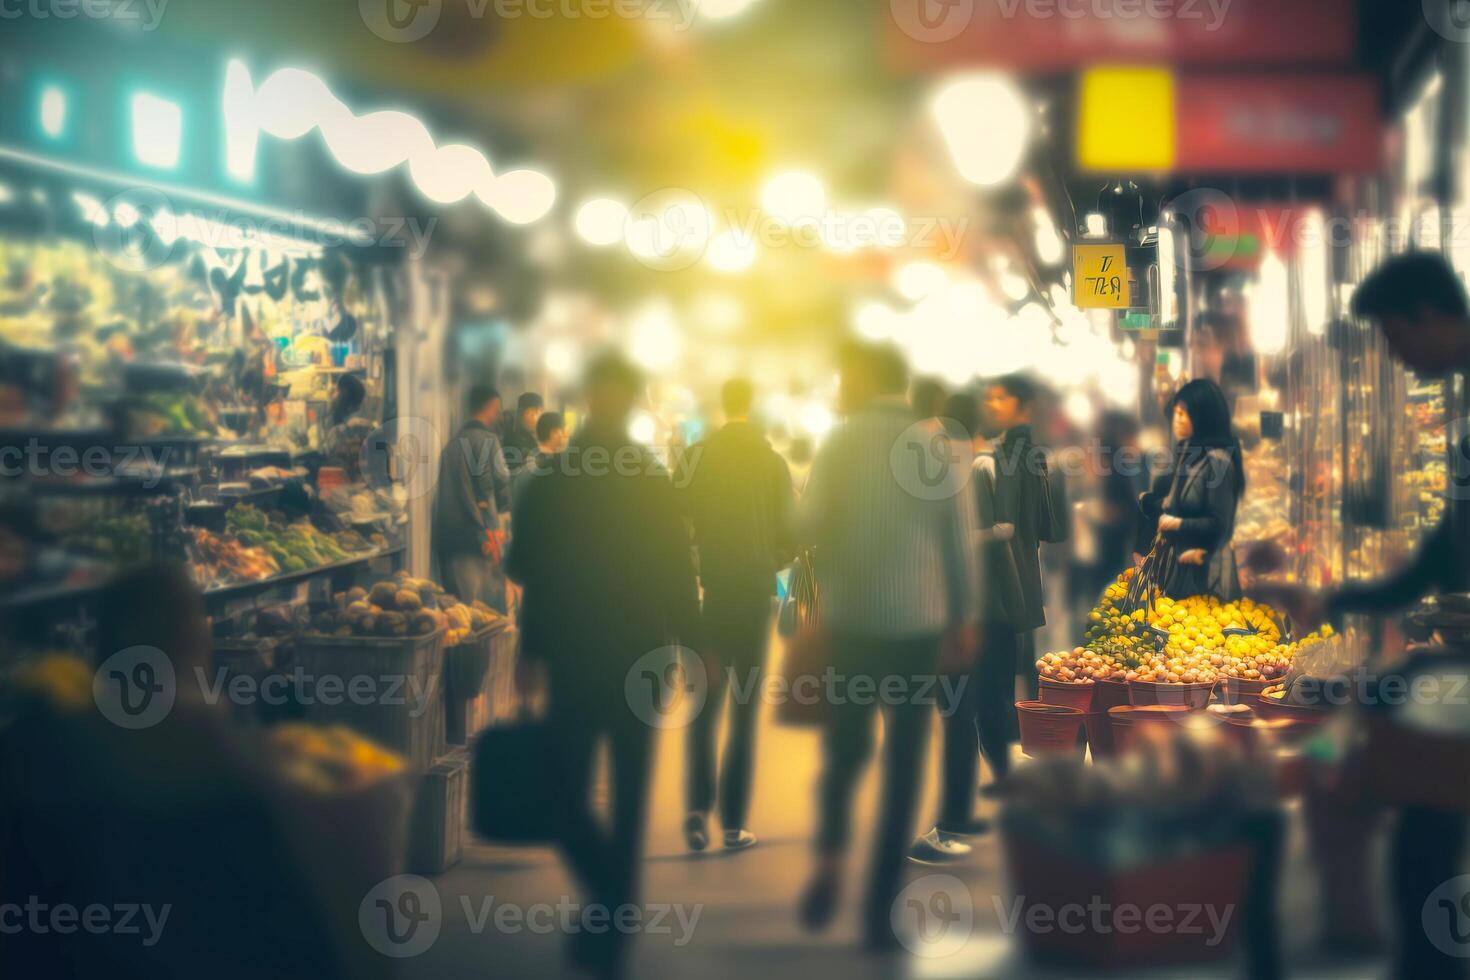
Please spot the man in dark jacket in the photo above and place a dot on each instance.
(600, 548)
(519, 433)
(472, 492)
(1029, 501)
(740, 498)
(1418, 302)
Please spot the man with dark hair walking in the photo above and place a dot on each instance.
(600, 549)
(472, 492)
(1030, 502)
(740, 500)
(899, 572)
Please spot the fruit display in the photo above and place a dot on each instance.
(403, 606)
(1197, 640)
(296, 547)
(173, 414)
(218, 560)
(1080, 666)
(333, 759)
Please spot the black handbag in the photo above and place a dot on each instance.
(512, 773)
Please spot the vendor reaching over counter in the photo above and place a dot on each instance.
(1419, 304)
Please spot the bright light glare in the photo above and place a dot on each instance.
(731, 252)
(125, 214)
(520, 197)
(986, 123)
(654, 340)
(669, 230)
(1268, 305)
(1080, 409)
(451, 173)
(1314, 270)
(91, 208)
(242, 129)
(1049, 246)
(1097, 225)
(643, 429)
(816, 419)
(53, 111)
(601, 221)
(717, 312)
(874, 321)
(292, 102)
(158, 131)
(1015, 287)
(561, 358)
(722, 9)
(794, 196)
(915, 280)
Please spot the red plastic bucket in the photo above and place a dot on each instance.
(1125, 718)
(1109, 694)
(1100, 735)
(1239, 690)
(1195, 696)
(1066, 693)
(1049, 728)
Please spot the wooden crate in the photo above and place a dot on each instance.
(436, 836)
(404, 673)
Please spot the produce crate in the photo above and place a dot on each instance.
(466, 667)
(497, 701)
(1039, 876)
(254, 658)
(436, 835)
(359, 835)
(401, 671)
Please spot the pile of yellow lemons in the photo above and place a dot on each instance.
(1197, 640)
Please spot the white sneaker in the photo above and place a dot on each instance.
(739, 840)
(937, 848)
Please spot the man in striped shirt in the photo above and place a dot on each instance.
(890, 515)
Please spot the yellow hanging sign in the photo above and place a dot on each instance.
(1100, 276)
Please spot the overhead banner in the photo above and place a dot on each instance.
(1061, 35)
(1226, 124)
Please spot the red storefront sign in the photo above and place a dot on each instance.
(1264, 124)
(1060, 35)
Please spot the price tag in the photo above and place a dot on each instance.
(1100, 276)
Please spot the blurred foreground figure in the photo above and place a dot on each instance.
(1418, 303)
(897, 569)
(601, 550)
(165, 849)
(740, 499)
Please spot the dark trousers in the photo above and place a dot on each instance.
(1026, 670)
(870, 661)
(605, 857)
(979, 723)
(1428, 850)
(737, 627)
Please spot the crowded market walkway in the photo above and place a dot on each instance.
(746, 901)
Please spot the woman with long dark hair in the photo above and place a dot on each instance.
(1192, 508)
